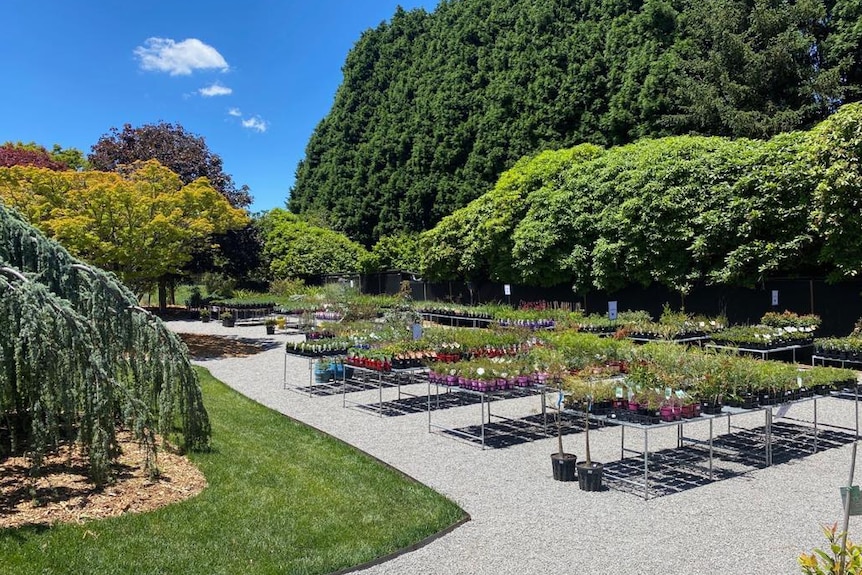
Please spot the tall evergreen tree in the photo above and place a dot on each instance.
(434, 107)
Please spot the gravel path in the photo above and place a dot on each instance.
(523, 521)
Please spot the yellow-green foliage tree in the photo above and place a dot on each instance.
(140, 222)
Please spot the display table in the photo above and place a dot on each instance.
(363, 377)
(770, 413)
(311, 360)
(456, 320)
(485, 399)
(697, 339)
(764, 353)
(823, 359)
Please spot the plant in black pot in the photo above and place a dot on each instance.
(551, 368)
(227, 319)
(269, 323)
(205, 314)
(589, 472)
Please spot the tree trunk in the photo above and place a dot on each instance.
(163, 295)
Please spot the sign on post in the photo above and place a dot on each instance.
(775, 297)
(612, 310)
(507, 289)
(855, 499)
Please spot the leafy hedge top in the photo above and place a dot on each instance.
(675, 210)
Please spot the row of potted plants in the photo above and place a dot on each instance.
(486, 374)
(841, 348)
(764, 337)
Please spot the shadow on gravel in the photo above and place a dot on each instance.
(734, 454)
(204, 347)
(411, 405)
(503, 433)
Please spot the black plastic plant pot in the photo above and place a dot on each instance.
(590, 476)
(563, 465)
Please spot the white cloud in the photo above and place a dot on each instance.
(234, 112)
(178, 58)
(215, 90)
(255, 123)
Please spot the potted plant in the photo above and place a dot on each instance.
(549, 362)
(205, 314)
(589, 471)
(269, 323)
(227, 319)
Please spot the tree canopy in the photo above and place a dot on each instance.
(677, 211)
(434, 107)
(19, 154)
(296, 249)
(78, 358)
(140, 222)
(184, 153)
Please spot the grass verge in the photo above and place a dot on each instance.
(282, 498)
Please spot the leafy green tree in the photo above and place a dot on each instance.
(482, 231)
(296, 249)
(837, 146)
(397, 252)
(141, 223)
(71, 157)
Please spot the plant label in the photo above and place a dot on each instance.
(612, 310)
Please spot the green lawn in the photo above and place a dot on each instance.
(281, 499)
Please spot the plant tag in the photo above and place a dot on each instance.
(799, 381)
(680, 393)
(667, 392)
(855, 505)
(619, 393)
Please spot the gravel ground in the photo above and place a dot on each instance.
(754, 522)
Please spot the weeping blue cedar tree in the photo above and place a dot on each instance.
(78, 359)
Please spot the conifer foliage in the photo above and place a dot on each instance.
(78, 358)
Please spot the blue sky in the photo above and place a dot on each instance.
(253, 78)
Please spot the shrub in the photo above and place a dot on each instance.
(218, 285)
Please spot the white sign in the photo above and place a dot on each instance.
(775, 297)
(612, 310)
(507, 289)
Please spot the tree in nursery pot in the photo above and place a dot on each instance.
(589, 471)
(270, 326)
(227, 319)
(205, 314)
(550, 366)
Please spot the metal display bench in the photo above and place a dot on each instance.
(699, 340)
(485, 399)
(363, 376)
(453, 320)
(764, 353)
(311, 359)
(823, 359)
(769, 414)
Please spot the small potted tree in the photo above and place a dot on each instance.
(227, 319)
(269, 323)
(551, 368)
(205, 314)
(589, 471)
